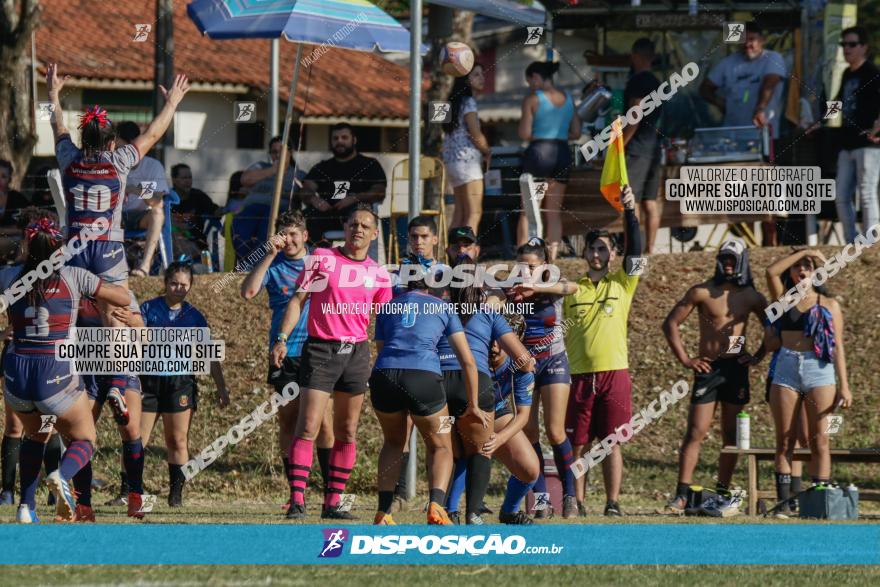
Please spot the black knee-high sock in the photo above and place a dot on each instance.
(82, 482)
(324, 463)
(11, 446)
(783, 487)
(176, 478)
(479, 471)
(681, 489)
(400, 489)
(52, 456)
(133, 461)
(386, 498)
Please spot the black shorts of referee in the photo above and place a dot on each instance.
(456, 392)
(287, 373)
(418, 392)
(335, 365)
(169, 394)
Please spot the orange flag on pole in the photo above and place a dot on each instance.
(614, 171)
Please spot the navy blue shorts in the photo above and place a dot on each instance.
(552, 369)
(106, 259)
(40, 383)
(548, 160)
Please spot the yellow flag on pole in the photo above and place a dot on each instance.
(614, 171)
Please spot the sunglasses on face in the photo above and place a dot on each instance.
(850, 44)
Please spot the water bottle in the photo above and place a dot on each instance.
(206, 261)
(743, 437)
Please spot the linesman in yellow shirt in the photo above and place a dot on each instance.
(601, 391)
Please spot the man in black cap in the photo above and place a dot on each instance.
(721, 369)
(462, 241)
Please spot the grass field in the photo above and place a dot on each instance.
(252, 469)
(246, 484)
(412, 576)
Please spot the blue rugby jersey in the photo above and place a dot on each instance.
(543, 326)
(280, 284)
(481, 329)
(507, 382)
(95, 188)
(410, 327)
(157, 314)
(37, 328)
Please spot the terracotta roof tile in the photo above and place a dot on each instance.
(98, 45)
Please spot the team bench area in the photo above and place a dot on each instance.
(846, 455)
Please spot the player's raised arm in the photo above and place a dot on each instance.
(144, 142)
(253, 283)
(633, 246)
(54, 85)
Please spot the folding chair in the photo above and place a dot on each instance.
(429, 168)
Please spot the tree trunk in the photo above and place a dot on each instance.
(17, 130)
(441, 85)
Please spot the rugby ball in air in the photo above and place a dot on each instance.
(456, 59)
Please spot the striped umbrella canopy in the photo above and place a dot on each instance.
(349, 24)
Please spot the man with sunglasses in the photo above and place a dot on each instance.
(746, 87)
(858, 164)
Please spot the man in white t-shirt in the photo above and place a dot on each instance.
(747, 88)
(146, 187)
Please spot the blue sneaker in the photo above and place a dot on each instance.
(65, 506)
(7, 498)
(26, 515)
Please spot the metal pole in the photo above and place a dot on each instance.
(415, 184)
(412, 465)
(282, 162)
(274, 83)
(415, 112)
(168, 56)
(548, 26)
(159, 73)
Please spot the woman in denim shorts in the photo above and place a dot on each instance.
(811, 355)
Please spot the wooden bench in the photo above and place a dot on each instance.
(847, 455)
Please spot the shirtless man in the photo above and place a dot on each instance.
(721, 369)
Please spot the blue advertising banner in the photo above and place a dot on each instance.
(631, 544)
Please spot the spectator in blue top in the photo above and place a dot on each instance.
(277, 273)
(548, 122)
(175, 396)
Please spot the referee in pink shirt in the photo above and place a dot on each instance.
(343, 284)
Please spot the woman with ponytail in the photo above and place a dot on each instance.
(544, 337)
(548, 122)
(464, 147)
(46, 299)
